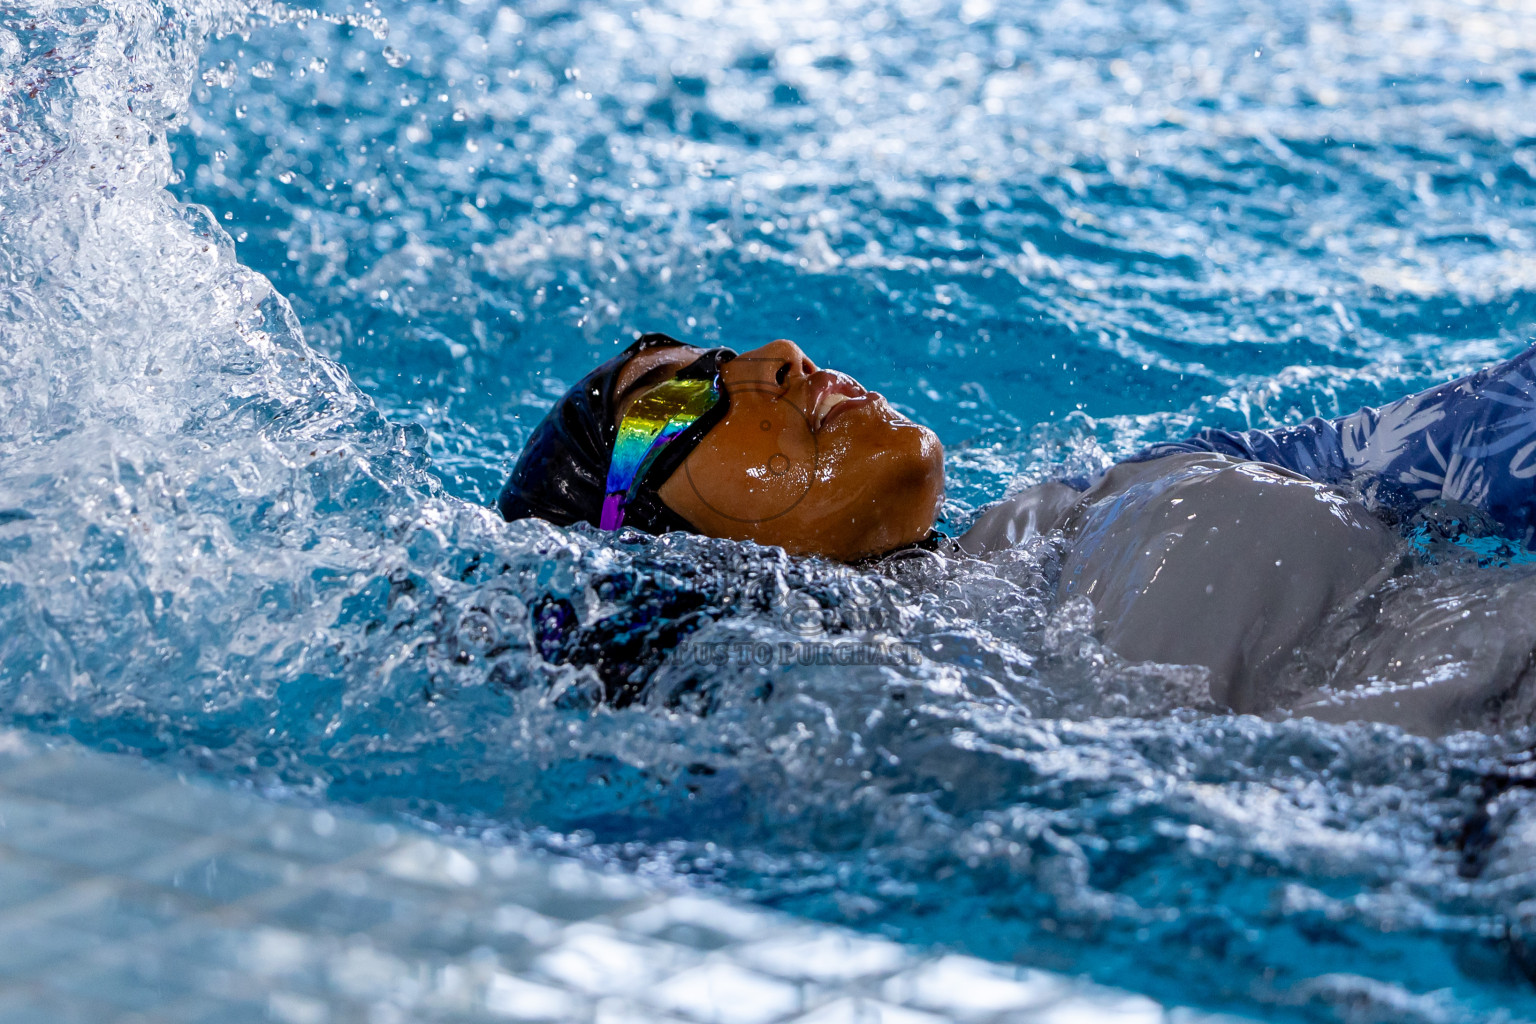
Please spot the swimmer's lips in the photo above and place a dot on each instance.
(834, 394)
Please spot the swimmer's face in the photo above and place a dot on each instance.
(805, 459)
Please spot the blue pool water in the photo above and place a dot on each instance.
(285, 289)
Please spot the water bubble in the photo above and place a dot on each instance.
(262, 69)
(395, 58)
(222, 76)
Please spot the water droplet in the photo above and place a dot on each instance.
(262, 69)
(394, 58)
(222, 76)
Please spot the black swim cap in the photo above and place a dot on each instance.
(562, 473)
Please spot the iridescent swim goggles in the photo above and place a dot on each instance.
(660, 429)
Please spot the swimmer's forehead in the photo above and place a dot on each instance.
(650, 367)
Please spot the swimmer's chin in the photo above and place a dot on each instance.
(907, 506)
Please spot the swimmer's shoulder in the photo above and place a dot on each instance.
(1019, 518)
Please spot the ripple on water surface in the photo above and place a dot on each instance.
(1052, 231)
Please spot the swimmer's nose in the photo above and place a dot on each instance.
(778, 363)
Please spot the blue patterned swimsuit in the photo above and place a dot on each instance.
(1471, 440)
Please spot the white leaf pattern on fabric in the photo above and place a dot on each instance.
(1471, 440)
